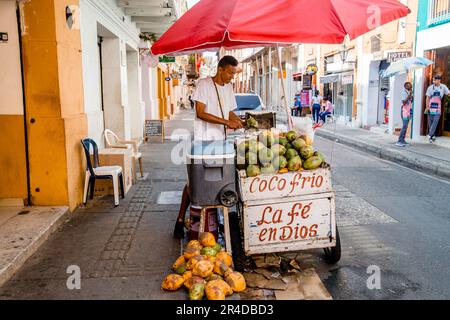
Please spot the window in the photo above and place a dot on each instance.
(329, 59)
(438, 11)
(375, 43)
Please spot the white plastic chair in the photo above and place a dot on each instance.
(113, 141)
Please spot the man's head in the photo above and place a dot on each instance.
(317, 92)
(408, 85)
(227, 69)
(437, 79)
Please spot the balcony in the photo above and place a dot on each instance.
(438, 12)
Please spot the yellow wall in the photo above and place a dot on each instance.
(160, 94)
(163, 93)
(12, 157)
(54, 99)
(12, 132)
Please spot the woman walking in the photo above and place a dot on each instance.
(316, 105)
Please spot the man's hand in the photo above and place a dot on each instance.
(235, 124)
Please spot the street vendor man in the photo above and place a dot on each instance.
(214, 101)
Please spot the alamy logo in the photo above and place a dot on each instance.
(374, 19)
(74, 280)
(374, 280)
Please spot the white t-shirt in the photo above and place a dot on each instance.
(206, 94)
(443, 90)
(316, 100)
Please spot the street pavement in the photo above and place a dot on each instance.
(389, 216)
(419, 155)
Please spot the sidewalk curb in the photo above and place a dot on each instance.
(424, 165)
(8, 270)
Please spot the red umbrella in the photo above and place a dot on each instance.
(234, 24)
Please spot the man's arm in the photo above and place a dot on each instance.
(427, 106)
(207, 117)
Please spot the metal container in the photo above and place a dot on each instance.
(211, 174)
(266, 120)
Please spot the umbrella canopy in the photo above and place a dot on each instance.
(234, 24)
(406, 65)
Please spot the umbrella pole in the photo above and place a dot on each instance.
(288, 114)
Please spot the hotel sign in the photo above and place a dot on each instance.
(397, 55)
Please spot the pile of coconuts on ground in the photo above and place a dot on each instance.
(205, 270)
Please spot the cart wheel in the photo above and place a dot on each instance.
(333, 255)
(228, 198)
(239, 257)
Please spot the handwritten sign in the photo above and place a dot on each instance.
(292, 184)
(154, 128)
(298, 224)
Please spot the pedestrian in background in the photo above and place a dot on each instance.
(181, 104)
(191, 102)
(316, 105)
(296, 110)
(435, 95)
(327, 109)
(406, 113)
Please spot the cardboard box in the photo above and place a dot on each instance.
(114, 157)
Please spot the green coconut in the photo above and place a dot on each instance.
(295, 164)
(253, 170)
(265, 156)
(291, 153)
(307, 152)
(251, 158)
(312, 163)
(299, 143)
(278, 150)
(291, 136)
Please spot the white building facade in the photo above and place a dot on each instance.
(120, 82)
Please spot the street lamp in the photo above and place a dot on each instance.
(344, 53)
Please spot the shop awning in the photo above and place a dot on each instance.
(330, 78)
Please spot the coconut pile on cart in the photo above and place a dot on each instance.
(286, 201)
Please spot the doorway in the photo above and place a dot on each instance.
(112, 61)
(135, 106)
(443, 62)
(441, 57)
(383, 99)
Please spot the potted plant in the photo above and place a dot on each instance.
(147, 39)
